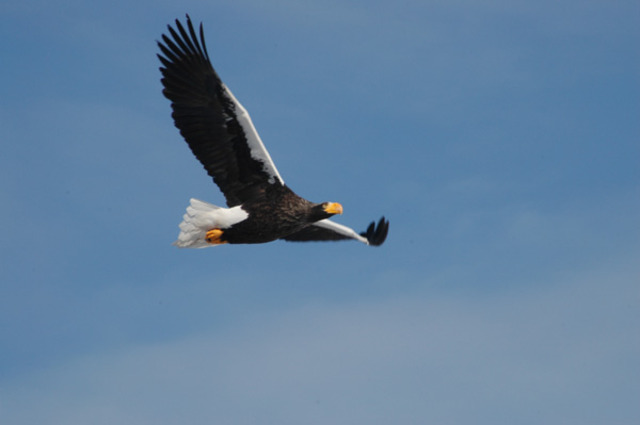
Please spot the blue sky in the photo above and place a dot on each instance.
(500, 138)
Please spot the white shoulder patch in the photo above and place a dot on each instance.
(343, 230)
(257, 149)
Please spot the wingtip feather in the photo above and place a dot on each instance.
(376, 235)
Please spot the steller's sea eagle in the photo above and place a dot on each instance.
(221, 135)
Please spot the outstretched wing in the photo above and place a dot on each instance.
(216, 127)
(327, 230)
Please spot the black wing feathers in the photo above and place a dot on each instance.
(375, 234)
(315, 233)
(205, 114)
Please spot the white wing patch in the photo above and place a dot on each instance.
(256, 147)
(339, 228)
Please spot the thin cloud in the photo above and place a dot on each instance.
(413, 359)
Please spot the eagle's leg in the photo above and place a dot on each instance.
(214, 236)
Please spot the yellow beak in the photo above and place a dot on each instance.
(333, 208)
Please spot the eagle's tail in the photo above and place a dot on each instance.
(202, 217)
(199, 218)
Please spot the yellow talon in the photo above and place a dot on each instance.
(214, 236)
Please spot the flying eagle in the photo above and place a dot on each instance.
(221, 135)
